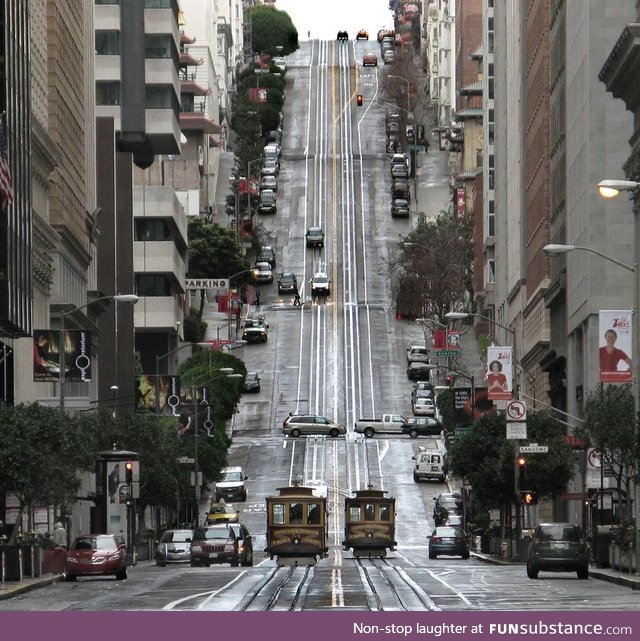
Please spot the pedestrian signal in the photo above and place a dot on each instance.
(529, 497)
(359, 99)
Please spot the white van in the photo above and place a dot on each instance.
(430, 464)
(231, 485)
(272, 151)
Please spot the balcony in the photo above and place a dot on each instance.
(157, 312)
(158, 257)
(193, 118)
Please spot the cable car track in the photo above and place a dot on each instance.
(265, 596)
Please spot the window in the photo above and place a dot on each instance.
(107, 93)
(313, 514)
(153, 285)
(385, 512)
(277, 514)
(491, 271)
(150, 229)
(369, 512)
(157, 46)
(159, 97)
(295, 514)
(107, 1)
(107, 43)
(354, 513)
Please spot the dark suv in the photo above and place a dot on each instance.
(287, 283)
(223, 543)
(558, 547)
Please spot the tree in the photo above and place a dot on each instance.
(214, 252)
(43, 452)
(432, 269)
(611, 426)
(272, 28)
(486, 459)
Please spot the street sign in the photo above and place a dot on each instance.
(185, 460)
(516, 411)
(416, 147)
(516, 431)
(461, 431)
(206, 283)
(534, 448)
(447, 352)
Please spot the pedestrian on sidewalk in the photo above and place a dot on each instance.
(426, 146)
(60, 535)
(257, 300)
(296, 300)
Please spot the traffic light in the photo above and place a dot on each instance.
(450, 381)
(529, 497)
(521, 462)
(359, 99)
(128, 472)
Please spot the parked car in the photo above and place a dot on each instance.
(422, 389)
(558, 547)
(385, 33)
(314, 237)
(400, 208)
(343, 35)
(388, 57)
(279, 61)
(363, 34)
(423, 407)
(96, 555)
(446, 504)
(399, 171)
(302, 424)
(418, 371)
(448, 540)
(270, 167)
(222, 543)
(267, 204)
(399, 159)
(267, 254)
(287, 283)
(423, 426)
(430, 464)
(174, 546)
(320, 284)
(262, 273)
(417, 354)
(221, 512)
(269, 182)
(252, 382)
(370, 60)
(400, 188)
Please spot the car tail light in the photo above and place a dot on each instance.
(460, 539)
(436, 539)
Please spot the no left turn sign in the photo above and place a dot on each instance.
(516, 411)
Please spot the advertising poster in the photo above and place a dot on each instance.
(159, 394)
(615, 346)
(499, 373)
(46, 355)
(194, 410)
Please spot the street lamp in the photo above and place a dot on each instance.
(159, 357)
(122, 298)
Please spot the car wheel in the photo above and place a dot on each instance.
(369, 432)
(68, 577)
(333, 432)
(120, 576)
(413, 433)
(160, 564)
(532, 572)
(295, 433)
(583, 572)
(465, 555)
(432, 555)
(235, 562)
(244, 496)
(416, 478)
(207, 564)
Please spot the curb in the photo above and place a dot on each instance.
(618, 579)
(26, 586)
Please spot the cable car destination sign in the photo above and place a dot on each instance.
(206, 283)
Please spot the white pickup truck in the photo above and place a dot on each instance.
(387, 424)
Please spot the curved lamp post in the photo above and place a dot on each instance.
(118, 298)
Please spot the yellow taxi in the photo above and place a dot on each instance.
(222, 513)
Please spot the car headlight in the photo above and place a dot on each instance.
(196, 548)
(72, 559)
(114, 557)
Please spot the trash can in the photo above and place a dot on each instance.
(601, 541)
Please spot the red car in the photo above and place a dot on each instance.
(370, 60)
(95, 555)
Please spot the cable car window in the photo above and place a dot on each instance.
(313, 514)
(295, 514)
(278, 514)
(354, 513)
(369, 512)
(384, 512)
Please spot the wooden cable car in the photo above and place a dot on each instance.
(296, 526)
(369, 523)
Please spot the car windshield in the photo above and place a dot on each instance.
(446, 531)
(236, 476)
(320, 279)
(221, 509)
(176, 537)
(95, 543)
(212, 533)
